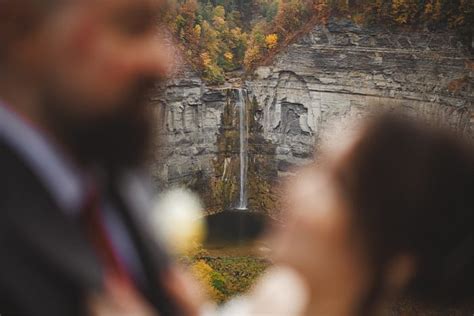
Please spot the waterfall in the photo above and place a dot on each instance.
(243, 149)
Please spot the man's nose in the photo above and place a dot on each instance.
(156, 59)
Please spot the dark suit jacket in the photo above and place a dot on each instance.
(47, 265)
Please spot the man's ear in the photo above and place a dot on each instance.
(400, 271)
(18, 20)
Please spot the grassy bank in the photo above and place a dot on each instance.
(225, 276)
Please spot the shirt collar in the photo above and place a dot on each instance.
(58, 174)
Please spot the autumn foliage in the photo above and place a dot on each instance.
(220, 36)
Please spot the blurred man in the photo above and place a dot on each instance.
(74, 127)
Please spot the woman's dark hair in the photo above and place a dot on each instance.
(411, 190)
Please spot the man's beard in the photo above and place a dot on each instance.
(112, 141)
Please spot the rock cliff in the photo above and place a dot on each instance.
(331, 75)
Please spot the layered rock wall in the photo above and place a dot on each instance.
(330, 76)
(343, 71)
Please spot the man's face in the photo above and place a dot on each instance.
(97, 61)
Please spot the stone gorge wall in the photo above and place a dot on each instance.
(333, 74)
(199, 145)
(343, 71)
(191, 115)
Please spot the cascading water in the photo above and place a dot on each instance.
(237, 228)
(243, 149)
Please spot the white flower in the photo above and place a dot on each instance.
(178, 219)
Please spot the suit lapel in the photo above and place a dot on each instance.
(154, 258)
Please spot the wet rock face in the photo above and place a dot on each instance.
(316, 86)
(200, 146)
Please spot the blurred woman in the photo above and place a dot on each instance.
(390, 215)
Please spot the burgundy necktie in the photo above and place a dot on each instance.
(123, 295)
(98, 236)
